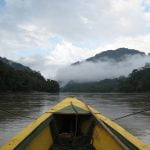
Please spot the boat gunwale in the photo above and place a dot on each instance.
(124, 133)
(24, 133)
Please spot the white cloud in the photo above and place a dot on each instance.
(40, 62)
(147, 2)
(66, 53)
(89, 71)
(139, 43)
(63, 54)
(86, 28)
(78, 20)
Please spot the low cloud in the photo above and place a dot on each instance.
(89, 71)
(40, 63)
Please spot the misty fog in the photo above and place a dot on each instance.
(90, 71)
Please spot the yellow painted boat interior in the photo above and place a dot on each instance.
(73, 123)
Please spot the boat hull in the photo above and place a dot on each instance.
(73, 119)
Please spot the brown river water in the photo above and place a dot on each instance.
(19, 109)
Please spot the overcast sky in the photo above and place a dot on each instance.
(48, 34)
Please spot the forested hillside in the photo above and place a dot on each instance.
(15, 65)
(138, 81)
(12, 79)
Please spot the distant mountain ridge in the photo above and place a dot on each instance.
(136, 81)
(116, 55)
(15, 65)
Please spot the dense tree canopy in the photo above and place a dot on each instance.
(138, 81)
(107, 85)
(23, 80)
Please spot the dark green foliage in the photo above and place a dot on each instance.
(52, 86)
(107, 85)
(138, 81)
(24, 80)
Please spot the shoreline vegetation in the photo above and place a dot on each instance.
(14, 79)
(137, 82)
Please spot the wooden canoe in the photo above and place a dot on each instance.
(73, 125)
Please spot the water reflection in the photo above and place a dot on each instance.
(34, 104)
